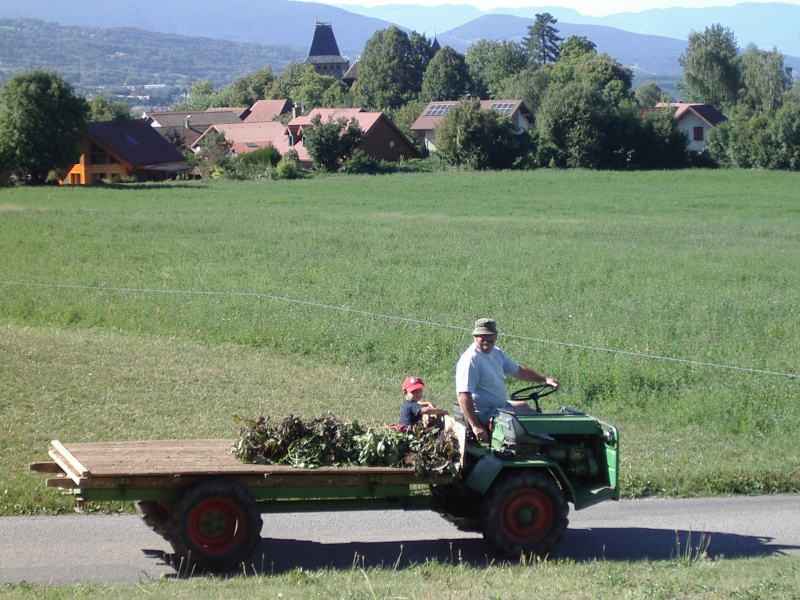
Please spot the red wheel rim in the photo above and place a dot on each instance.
(527, 515)
(216, 525)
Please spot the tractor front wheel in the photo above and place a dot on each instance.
(524, 513)
(215, 525)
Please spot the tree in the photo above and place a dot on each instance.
(649, 94)
(199, 97)
(251, 87)
(390, 70)
(529, 85)
(711, 69)
(301, 85)
(661, 143)
(104, 109)
(765, 79)
(332, 142)
(446, 78)
(479, 139)
(541, 43)
(491, 64)
(40, 123)
(215, 153)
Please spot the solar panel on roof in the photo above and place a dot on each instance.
(437, 110)
(505, 107)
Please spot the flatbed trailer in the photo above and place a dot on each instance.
(207, 503)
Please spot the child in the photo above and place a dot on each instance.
(413, 408)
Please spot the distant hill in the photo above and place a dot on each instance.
(275, 32)
(767, 25)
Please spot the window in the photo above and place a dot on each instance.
(97, 156)
(698, 134)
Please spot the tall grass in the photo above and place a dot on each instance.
(666, 303)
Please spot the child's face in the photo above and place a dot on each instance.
(414, 396)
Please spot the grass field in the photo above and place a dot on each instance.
(666, 303)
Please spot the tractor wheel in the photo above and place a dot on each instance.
(154, 514)
(215, 525)
(524, 513)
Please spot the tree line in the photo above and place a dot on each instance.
(586, 113)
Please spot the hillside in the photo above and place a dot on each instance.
(145, 41)
(91, 56)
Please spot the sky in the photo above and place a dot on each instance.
(593, 8)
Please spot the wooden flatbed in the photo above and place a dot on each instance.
(159, 469)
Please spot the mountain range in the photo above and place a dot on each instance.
(650, 42)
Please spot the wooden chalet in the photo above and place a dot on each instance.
(117, 150)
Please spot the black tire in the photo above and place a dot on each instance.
(524, 513)
(215, 525)
(154, 514)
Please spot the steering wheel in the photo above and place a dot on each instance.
(533, 392)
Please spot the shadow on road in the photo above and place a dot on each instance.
(274, 556)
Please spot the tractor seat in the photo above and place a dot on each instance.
(514, 431)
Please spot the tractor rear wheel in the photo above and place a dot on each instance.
(524, 513)
(215, 525)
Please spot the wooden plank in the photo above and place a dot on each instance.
(169, 463)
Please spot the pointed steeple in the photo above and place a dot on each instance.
(324, 55)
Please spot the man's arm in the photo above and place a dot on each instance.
(531, 376)
(468, 408)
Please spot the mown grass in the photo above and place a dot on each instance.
(666, 303)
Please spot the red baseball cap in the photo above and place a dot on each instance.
(412, 383)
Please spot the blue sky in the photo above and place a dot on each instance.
(586, 7)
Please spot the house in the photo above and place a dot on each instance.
(434, 112)
(245, 137)
(695, 120)
(382, 139)
(114, 150)
(190, 125)
(324, 55)
(267, 110)
(351, 76)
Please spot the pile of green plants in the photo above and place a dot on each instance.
(432, 451)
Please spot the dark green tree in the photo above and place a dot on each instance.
(446, 78)
(491, 64)
(251, 87)
(302, 85)
(389, 70)
(529, 85)
(40, 124)
(479, 139)
(330, 143)
(711, 68)
(661, 144)
(105, 109)
(541, 43)
(650, 93)
(765, 79)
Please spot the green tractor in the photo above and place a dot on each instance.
(516, 489)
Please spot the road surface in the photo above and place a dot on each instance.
(120, 549)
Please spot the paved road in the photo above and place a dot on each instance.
(119, 549)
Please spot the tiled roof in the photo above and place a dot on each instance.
(134, 141)
(267, 110)
(246, 137)
(707, 113)
(197, 119)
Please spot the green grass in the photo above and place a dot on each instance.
(775, 578)
(666, 303)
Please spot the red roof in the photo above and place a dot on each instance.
(267, 110)
(246, 137)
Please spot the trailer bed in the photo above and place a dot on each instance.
(150, 469)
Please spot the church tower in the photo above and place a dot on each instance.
(324, 54)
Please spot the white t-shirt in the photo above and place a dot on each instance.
(481, 375)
